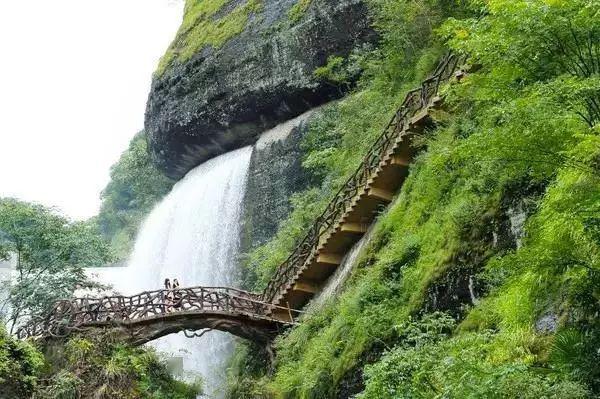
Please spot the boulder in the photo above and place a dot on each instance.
(228, 92)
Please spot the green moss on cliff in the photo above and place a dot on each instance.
(482, 279)
(298, 10)
(201, 28)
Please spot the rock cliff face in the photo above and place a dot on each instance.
(228, 91)
(275, 173)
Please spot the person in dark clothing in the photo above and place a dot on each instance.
(168, 296)
(176, 294)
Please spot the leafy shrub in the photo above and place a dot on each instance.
(20, 365)
(575, 352)
(458, 368)
(99, 366)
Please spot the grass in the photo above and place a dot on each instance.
(200, 28)
(298, 10)
(490, 148)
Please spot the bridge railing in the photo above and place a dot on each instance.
(415, 101)
(78, 313)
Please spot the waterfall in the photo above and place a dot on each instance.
(334, 284)
(192, 235)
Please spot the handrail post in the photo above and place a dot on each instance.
(289, 311)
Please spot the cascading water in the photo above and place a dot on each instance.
(192, 235)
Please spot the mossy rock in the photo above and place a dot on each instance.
(238, 67)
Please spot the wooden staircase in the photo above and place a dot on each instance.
(352, 211)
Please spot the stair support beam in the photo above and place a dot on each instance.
(380, 194)
(351, 227)
(330, 258)
(309, 287)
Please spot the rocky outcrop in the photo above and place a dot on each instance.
(274, 175)
(223, 98)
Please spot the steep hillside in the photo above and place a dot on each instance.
(481, 279)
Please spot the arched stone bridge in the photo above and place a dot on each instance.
(150, 315)
(259, 317)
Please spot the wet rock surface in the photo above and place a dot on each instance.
(275, 174)
(222, 99)
(547, 323)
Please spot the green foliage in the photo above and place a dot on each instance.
(536, 40)
(20, 364)
(573, 352)
(298, 10)
(51, 253)
(344, 72)
(521, 121)
(434, 367)
(245, 373)
(332, 70)
(62, 385)
(98, 366)
(92, 366)
(201, 27)
(135, 187)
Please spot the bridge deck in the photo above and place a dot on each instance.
(152, 314)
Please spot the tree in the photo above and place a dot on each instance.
(135, 187)
(51, 254)
(539, 40)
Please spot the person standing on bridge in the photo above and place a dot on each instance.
(176, 294)
(168, 296)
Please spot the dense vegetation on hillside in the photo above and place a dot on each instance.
(482, 279)
(135, 187)
(51, 252)
(85, 367)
